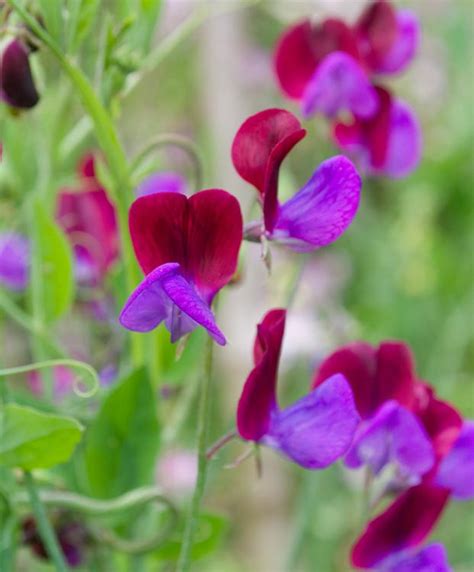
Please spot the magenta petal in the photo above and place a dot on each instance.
(258, 398)
(393, 435)
(165, 295)
(406, 523)
(14, 261)
(259, 147)
(339, 83)
(432, 558)
(456, 471)
(162, 182)
(323, 209)
(319, 428)
(405, 46)
(404, 143)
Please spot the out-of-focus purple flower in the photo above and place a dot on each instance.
(456, 470)
(431, 558)
(72, 537)
(108, 374)
(17, 87)
(317, 214)
(313, 432)
(387, 39)
(14, 261)
(393, 435)
(188, 249)
(339, 84)
(162, 182)
(89, 220)
(63, 382)
(387, 143)
(176, 472)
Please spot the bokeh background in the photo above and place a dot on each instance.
(404, 270)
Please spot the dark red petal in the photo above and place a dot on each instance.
(89, 219)
(86, 167)
(158, 229)
(395, 377)
(259, 147)
(406, 523)
(214, 237)
(377, 31)
(259, 393)
(377, 129)
(441, 420)
(334, 35)
(295, 60)
(17, 86)
(357, 363)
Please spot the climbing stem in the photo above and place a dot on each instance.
(184, 561)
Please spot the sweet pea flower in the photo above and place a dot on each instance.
(313, 432)
(14, 261)
(17, 86)
(387, 38)
(90, 222)
(387, 143)
(383, 381)
(188, 249)
(319, 212)
(162, 182)
(407, 522)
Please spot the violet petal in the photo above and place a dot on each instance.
(14, 261)
(318, 428)
(394, 435)
(456, 471)
(323, 209)
(339, 83)
(405, 46)
(162, 182)
(432, 558)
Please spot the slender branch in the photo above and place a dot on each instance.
(184, 561)
(171, 139)
(45, 529)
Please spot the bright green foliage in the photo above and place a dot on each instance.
(31, 439)
(122, 443)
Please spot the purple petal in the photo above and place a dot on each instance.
(339, 83)
(403, 50)
(14, 261)
(165, 295)
(456, 471)
(393, 435)
(162, 182)
(317, 429)
(323, 209)
(432, 558)
(405, 142)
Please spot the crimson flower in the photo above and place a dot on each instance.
(89, 220)
(188, 249)
(17, 86)
(319, 212)
(313, 432)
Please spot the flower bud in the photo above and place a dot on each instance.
(17, 87)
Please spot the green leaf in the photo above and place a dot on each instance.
(52, 266)
(31, 439)
(122, 443)
(210, 532)
(51, 11)
(81, 17)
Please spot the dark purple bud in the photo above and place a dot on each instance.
(17, 87)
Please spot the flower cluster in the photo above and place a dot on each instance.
(331, 67)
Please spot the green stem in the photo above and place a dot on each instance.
(184, 561)
(45, 529)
